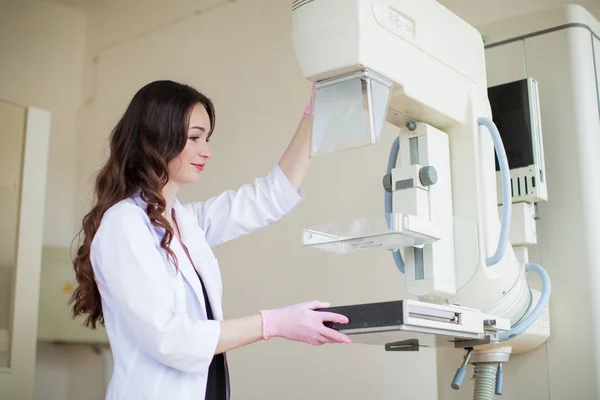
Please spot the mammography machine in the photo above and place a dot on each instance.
(456, 213)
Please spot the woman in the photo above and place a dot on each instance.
(145, 267)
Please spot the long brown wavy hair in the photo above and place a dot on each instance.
(151, 132)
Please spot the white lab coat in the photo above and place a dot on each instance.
(155, 316)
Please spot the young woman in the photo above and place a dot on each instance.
(145, 268)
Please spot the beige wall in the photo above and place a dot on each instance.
(226, 49)
(42, 48)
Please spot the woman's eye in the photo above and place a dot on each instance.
(194, 138)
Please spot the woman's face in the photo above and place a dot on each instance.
(187, 167)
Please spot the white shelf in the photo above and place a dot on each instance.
(386, 232)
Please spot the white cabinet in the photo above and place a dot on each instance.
(12, 135)
(24, 134)
(512, 57)
(558, 48)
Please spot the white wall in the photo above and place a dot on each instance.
(227, 50)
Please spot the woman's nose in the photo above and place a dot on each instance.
(205, 152)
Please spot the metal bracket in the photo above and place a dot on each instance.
(466, 343)
(490, 358)
(403, 345)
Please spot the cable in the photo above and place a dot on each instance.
(539, 308)
(506, 192)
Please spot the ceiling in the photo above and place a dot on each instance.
(86, 5)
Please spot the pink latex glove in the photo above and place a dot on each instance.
(307, 109)
(302, 324)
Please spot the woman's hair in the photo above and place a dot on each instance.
(151, 132)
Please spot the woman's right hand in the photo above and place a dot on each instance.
(302, 323)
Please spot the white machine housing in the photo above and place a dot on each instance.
(559, 47)
(363, 54)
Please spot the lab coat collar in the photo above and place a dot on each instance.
(191, 236)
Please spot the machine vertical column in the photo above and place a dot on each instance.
(422, 186)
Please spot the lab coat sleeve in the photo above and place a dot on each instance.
(134, 280)
(253, 206)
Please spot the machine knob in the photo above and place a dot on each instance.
(428, 176)
(411, 126)
(387, 182)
